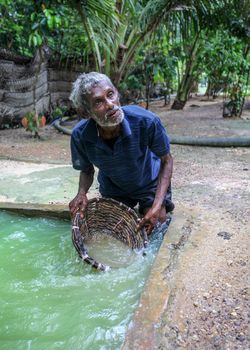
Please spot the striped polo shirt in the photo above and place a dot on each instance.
(131, 168)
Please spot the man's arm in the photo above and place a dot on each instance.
(158, 212)
(80, 201)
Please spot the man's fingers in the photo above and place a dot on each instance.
(150, 220)
(73, 210)
(162, 219)
(81, 214)
(149, 228)
(141, 224)
(81, 209)
(163, 215)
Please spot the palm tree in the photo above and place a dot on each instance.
(94, 15)
(117, 29)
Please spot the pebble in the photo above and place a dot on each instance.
(216, 339)
(195, 337)
(206, 295)
(240, 337)
(180, 339)
(224, 235)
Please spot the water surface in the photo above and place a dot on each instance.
(51, 300)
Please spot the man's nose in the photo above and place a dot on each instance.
(109, 103)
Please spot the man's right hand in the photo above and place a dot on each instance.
(78, 204)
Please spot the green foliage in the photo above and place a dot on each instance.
(44, 22)
(59, 112)
(220, 55)
(226, 63)
(25, 25)
(136, 42)
(233, 107)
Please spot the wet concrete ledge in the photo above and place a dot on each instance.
(142, 331)
(35, 160)
(33, 209)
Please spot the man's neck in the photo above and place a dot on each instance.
(109, 132)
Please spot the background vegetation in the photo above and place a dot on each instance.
(149, 48)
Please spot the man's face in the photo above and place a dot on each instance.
(104, 105)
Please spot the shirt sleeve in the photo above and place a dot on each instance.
(79, 157)
(158, 139)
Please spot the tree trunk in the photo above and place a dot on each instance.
(147, 92)
(209, 89)
(184, 91)
(233, 108)
(178, 104)
(38, 62)
(188, 78)
(166, 92)
(195, 87)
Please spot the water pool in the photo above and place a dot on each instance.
(51, 300)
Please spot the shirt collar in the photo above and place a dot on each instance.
(126, 130)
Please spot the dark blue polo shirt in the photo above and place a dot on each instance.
(132, 166)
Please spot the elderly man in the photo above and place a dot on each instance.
(127, 144)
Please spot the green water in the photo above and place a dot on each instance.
(51, 300)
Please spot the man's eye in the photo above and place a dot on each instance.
(110, 94)
(98, 102)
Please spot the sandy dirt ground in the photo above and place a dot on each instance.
(209, 304)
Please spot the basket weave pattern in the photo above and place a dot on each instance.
(116, 219)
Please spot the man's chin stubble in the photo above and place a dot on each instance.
(107, 123)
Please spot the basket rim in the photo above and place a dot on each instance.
(115, 202)
(77, 239)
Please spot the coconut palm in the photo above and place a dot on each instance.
(131, 23)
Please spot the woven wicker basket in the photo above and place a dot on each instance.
(117, 219)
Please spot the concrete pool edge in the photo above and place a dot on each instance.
(142, 330)
(33, 209)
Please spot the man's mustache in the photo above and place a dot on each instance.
(113, 111)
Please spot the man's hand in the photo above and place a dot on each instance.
(151, 218)
(78, 204)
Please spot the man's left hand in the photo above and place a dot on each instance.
(152, 218)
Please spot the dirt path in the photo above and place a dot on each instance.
(209, 306)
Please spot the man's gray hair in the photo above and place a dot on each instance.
(83, 86)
